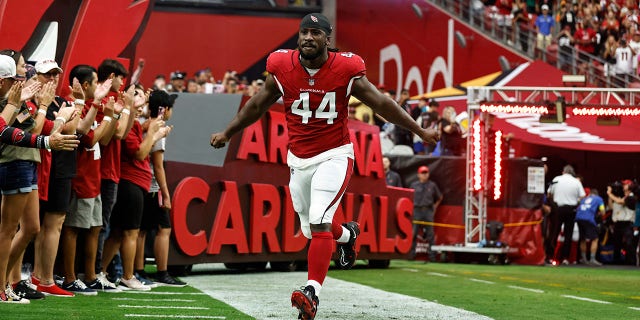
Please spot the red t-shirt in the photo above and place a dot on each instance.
(316, 106)
(110, 154)
(86, 183)
(44, 167)
(136, 171)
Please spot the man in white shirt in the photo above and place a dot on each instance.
(566, 191)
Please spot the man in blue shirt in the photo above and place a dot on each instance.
(589, 207)
(544, 24)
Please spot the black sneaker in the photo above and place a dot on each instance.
(27, 291)
(347, 251)
(165, 279)
(306, 301)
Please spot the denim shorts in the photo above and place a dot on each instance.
(18, 176)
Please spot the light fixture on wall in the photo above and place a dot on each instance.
(462, 39)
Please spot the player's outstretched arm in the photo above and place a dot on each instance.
(366, 92)
(250, 113)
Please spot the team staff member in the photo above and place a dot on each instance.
(315, 84)
(426, 199)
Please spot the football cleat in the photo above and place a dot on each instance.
(306, 301)
(347, 251)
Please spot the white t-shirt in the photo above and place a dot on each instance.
(624, 61)
(566, 190)
(636, 47)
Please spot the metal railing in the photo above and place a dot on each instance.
(523, 39)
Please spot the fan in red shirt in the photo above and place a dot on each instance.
(315, 83)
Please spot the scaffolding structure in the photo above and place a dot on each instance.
(521, 100)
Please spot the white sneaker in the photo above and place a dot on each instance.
(9, 296)
(133, 284)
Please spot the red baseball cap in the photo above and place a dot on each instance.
(423, 169)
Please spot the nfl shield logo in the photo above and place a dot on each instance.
(312, 81)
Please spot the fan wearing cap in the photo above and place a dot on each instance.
(623, 216)
(18, 166)
(315, 84)
(426, 199)
(544, 25)
(177, 82)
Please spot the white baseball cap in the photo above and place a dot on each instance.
(7, 67)
(44, 66)
(544, 7)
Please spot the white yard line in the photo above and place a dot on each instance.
(154, 300)
(180, 316)
(634, 308)
(586, 299)
(166, 293)
(267, 295)
(526, 289)
(438, 274)
(161, 307)
(410, 270)
(481, 281)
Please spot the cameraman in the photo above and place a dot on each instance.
(623, 216)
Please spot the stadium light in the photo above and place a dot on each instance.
(506, 107)
(497, 166)
(476, 135)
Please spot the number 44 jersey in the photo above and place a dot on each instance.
(315, 100)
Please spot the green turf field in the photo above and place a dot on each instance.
(500, 292)
(513, 292)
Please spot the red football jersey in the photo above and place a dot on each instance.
(86, 183)
(316, 105)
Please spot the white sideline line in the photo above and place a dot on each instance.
(586, 299)
(634, 308)
(166, 293)
(161, 307)
(410, 270)
(438, 274)
(481, 281)
(527, 289)
(132, 315)
(164, 300)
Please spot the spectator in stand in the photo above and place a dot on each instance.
(521, 22)
(85, 212)
(634, 44)
(231, 86)
(590, 207)
(204, 80)
(565, 49)
(611, 23)
(609, 55)
(393, 178)
(429, 118)
(256, 86)
(567, 17)
(110, 149)
(624, 64)
(134, 184)
(623, 217)
(402, 136)
(566, 192)
(177, 82)
(160, 83)
(544, 24)
(585, 39)
(193, 87)
(426, 199)
(18, 179)
(157, 202)
(451, 140)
